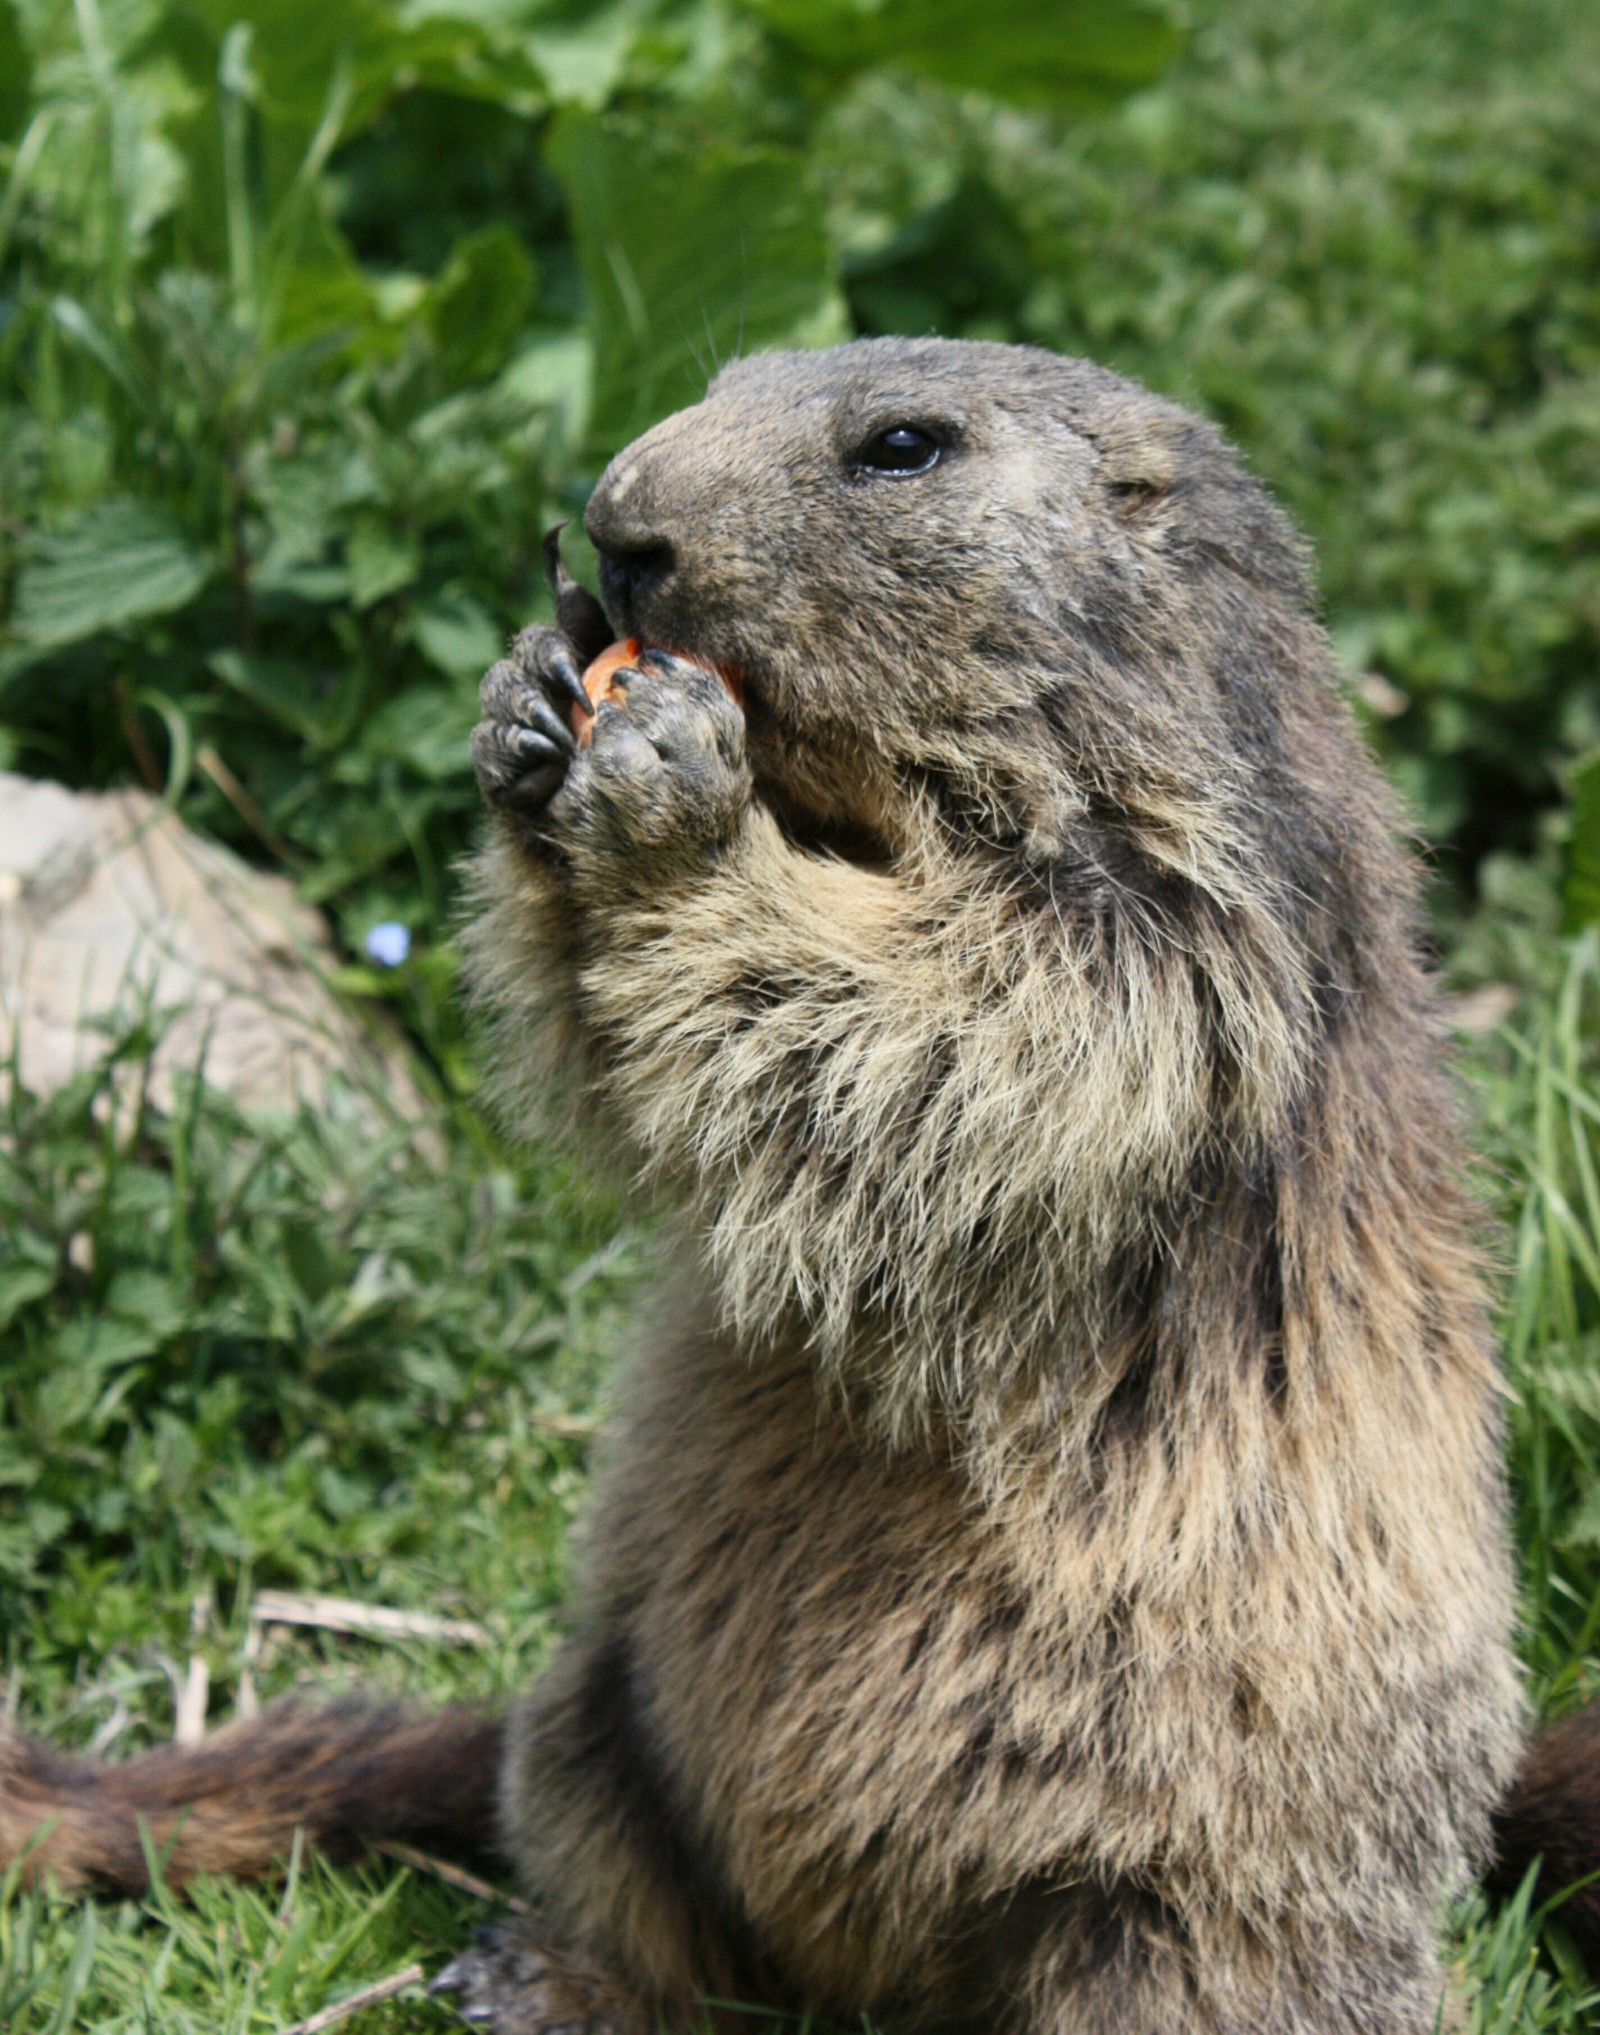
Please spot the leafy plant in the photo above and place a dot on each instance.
(238, 1354)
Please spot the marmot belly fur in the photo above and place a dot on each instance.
(1050, 1575)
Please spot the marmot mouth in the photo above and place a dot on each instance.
(775, 745)
(586, 626)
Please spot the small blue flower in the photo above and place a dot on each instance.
(389, 943)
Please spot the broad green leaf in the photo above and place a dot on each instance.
(304, 495)
(584, 56)
(1055, 53)
(323, 298)
(478, 303)
(296, 45)
(380, 559)
(691, 253)
(458, 634)
(123, 561)
(555, 375)
(20, 1286)
(456, 49)
(19, 1466)
(428, 728)
(1581, 896)
(148, 1300)
(90, 1343)
(297, 696)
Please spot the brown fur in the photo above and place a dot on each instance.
(1051, 1572)
(347, 1775)
(1553, 1814)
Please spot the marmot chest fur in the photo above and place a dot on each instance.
(1051, 1571)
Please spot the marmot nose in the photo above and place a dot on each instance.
(629, 575)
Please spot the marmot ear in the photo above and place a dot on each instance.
(1139, 457)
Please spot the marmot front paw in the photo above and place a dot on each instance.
(524, 743)
(665, 772)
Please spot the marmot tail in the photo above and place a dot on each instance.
(348, 1774)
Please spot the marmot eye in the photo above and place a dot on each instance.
(902, 449)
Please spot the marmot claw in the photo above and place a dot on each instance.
(508, 1984)
(665, 772)
(522, 746)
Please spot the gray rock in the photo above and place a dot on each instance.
(109, 905)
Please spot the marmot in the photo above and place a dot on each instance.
(1050, 1576)
(1051, 1573)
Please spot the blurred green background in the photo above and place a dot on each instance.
(314, 315)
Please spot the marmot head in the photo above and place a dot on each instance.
(989, 601)
(909, 546)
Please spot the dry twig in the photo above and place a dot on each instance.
(377, 1621)
(452, 1875)
(369, 1996)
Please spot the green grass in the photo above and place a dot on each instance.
(301, 1354)
(225, 1958)
(238, 1356)
(1537, 1086)
(307, 1356)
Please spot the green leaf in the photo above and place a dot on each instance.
(478, 304)
(381, 560)
(324, 299)
(427, 728)
(1581, 895)
(296, 45)
(584, 56)
(452, 48)
(555, 376)
(297, 696)
(1054, 53)
(458, 634)
(20, 1467)
(146, 1300)
(99, 1343)
(20, 1286)
(121, 562)
(691, 253)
